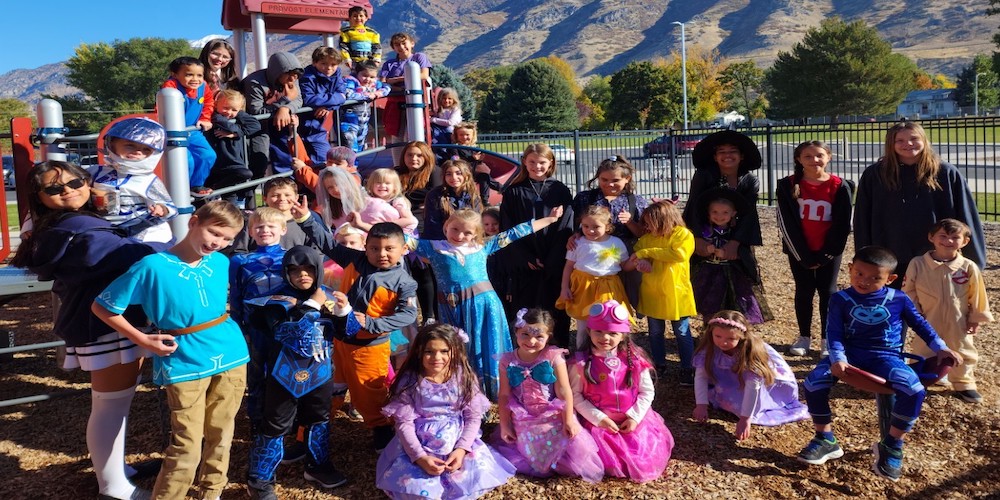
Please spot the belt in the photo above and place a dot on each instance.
(199, 327)
(453, 298)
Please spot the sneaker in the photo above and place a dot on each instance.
(888, 462)
(818, 451)
(687, 377)
(800, 347)
(325, 475)
(295, 452)
(661, 371)
(137, 494)
(147, 469)
(381, 436)
(970, 396)
(825, 352)
(353, 414)
(261, 490)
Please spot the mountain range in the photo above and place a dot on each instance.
(599, 37)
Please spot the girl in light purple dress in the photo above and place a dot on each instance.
(613, 391)
(539, 432)
(737, 371)
(438, 408)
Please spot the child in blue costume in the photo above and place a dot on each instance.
(323, 90)
(300, 382)
(865, 330)
(465, 296)
(363, 86)
(200, 352)
(253, 275)
(187, 74)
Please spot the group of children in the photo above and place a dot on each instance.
(613, 256)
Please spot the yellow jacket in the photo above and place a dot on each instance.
(666, 292)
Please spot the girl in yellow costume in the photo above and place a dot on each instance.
(592, 266)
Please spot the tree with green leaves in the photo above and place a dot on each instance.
(488, 86)
(965, 89)
(443, 76)
(839, 69)
(537, 99)
(743, 84)
(596, 99)
(645, 95)
(126, 73)
(12, 108)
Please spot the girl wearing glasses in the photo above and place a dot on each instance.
(82, 253)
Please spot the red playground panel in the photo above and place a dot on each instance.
(290, 16)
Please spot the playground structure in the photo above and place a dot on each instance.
(284, 16)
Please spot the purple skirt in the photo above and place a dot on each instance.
(719, 286)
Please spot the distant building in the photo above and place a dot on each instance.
(935, 103)
(724, 120)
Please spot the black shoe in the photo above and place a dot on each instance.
(261, 490)
(687, 377)
(661, 371)
(295, 452)
(818, 451)
(325, 475)
(147, 469)
(381, 436)
(888, 462)
(970, 396)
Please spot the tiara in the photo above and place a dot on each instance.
(728, 322)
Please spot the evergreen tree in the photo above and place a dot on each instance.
(839, 69)
(537, 99)
(742, 83)
(989, 95)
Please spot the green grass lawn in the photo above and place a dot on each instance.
(988, 203)
(12, 220)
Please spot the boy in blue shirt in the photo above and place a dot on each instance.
(323, 89)
(200, 351)
(865, 329)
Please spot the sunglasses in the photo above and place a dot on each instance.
(57, 189)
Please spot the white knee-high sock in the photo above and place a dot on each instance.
(106, 440)
(582, 336)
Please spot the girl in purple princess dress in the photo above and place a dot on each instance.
(737, 371)
(436, 404)
(539, 432)
(613, 391)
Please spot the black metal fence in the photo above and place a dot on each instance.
(664, 168)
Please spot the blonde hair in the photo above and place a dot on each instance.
(661, 218)
(471, 127)
(268, 215)
(751, 355)
(351, 198)
(448, 92)
(468, 186)
(539, 149)
(469, 216)
(220, 213)
(233, 97)
(616, 163)
(928, 163)
(385, 175)
(601, 213)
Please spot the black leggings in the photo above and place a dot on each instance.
(807, 282)
(426, 288)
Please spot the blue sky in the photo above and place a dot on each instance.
(70, 23)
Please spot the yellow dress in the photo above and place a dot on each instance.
(595, 279)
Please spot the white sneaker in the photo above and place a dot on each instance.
(826, 349)
(800, 347)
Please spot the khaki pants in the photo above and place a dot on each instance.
(203, 409)
(962, 377)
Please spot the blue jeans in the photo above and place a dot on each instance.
(657, 346)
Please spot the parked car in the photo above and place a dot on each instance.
(563, 154)
(8, 172)
(663, 145)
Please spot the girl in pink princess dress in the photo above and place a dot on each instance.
(613, 391)
(539, 432)
(437, 408)
(737, 371)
